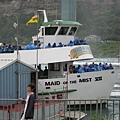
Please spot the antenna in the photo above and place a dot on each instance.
(45, 16)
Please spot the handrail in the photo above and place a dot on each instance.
(46, 108)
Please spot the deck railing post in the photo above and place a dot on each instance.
(43, 109)
(100, 109)
(119, 109)
(113, 110)
(96, 109)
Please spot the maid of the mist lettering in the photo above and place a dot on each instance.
(76, 52)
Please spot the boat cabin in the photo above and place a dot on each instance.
(57, 31)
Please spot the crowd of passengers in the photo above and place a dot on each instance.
(6, 48)
(71, 43)
(92, 67)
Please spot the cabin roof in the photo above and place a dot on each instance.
(61, 22)
(5, 62)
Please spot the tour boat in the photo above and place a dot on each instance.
(61, 82)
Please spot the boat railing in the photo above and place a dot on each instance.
(63, 76)
(62, 109)
(38, 45)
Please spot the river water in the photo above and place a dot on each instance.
(107, 112)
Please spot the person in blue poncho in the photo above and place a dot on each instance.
(30, 46)
(110, 66)
(86, 68)
(80, 70)
(94, 68)
(99, 67)
(106, 66)
(48, 46)
(54, 45)
(60, 44)
(76, 42)
(9, 48)
(20, 47)
(14, 47)
(70, 43)
(76, 68)
(5, 48)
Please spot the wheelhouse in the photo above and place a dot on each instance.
(57, 31)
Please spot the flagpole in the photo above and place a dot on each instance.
(18, 74)
(17, 67)
(17, 37)
(37, 44)
(37, 63)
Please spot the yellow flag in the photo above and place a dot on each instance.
(33, 20)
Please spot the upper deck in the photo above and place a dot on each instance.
(57, 43)
(52, 55)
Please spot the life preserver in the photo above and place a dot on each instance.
(71, 68)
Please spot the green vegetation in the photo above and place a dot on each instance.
(106, 25)
(105, 49)
(25, 33)
(98, 117)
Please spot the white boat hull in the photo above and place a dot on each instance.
(90, 85)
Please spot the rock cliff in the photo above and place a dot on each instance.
(53, 7)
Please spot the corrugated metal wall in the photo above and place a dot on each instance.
(9, 83)
(24, 79)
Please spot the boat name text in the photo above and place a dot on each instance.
(78, 51)
(82, 80)
(85, 80)
(98, 78)
(52, 83)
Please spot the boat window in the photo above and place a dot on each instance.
(73, 30)
(50, 30)
(65, 67)
(54, 66)
(42, 31)
(63, 31)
